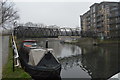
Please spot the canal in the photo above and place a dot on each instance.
(86, 61)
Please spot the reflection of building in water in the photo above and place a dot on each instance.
(72, 61)
(61, 50)
(102, 64)
(98, 62)
(64, 50)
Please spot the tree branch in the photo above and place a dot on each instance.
(8, 12)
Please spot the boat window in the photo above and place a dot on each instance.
(30, 43)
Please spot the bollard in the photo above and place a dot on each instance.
(46, 43)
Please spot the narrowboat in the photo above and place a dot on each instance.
(39, 62)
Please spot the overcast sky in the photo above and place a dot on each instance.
(52, 13)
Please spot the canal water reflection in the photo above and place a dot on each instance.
(86, 61)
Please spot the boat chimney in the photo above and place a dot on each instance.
(46, 43)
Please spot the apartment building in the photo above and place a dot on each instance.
(102, 20)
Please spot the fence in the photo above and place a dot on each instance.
(15, 53)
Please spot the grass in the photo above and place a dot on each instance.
(90, 41)
(108, 41)
(8, 68)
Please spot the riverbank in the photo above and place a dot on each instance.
(91, 41)
(8, 68)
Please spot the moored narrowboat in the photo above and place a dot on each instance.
(39, 62)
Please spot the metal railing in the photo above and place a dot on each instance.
(15, 53)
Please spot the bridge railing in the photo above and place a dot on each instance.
(39, 32)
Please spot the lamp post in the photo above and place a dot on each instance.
(14, 24)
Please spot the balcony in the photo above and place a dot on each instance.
(113, 29)
(88, 16)
(114, 22)
(100, 31)
(99, 14)
(99, 20)
(88, 20)
(114, 15)
(88, 24)
(114, 9)
(99, 26)
(118, 22)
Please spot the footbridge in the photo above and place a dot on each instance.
(44, 32)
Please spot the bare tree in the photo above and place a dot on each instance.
(29, 24)
(9, 14)
(0, 12)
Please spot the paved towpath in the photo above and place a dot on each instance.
(4, 50)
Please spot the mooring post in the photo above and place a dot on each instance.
(46, 43)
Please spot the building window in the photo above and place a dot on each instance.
(102, 6)
(90, 11)
(94, 20)
(93, 15)
(94, 9)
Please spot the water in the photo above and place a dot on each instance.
(86, 61)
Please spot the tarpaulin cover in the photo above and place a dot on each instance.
(36, 55)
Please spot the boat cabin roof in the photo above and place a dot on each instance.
(29, 41)
(36, 55)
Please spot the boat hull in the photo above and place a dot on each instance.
(36, 72)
